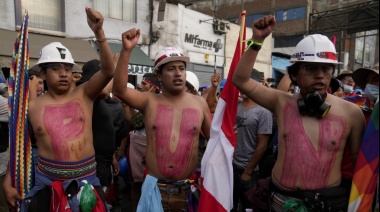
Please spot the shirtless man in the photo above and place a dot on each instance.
(311, 144)
(61, 122)
(173, 121)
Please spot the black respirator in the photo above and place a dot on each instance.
(313, 105)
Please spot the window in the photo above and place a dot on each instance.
(249, 19)
(287, 41)
(43, 14)
(365, 48)
(290, 14)
(117, 9)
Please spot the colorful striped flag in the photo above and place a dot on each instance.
(367, 167)
(20, 163)
(217, 172)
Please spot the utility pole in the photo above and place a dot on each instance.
(363, 53)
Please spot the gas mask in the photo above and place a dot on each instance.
(372, 92)
(313, 105)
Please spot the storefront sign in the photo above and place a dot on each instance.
(139, 69)
(203, 43)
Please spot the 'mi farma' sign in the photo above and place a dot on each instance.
(203, 43)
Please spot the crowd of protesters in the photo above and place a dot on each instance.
(297, 140)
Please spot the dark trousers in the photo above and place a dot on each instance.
(242, 186)
(104, 173)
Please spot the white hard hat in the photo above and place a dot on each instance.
(315, 48)
(192, 79)
(169, 54)
(130, 85)
(54, 53)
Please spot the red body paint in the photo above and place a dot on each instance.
(302, 161)
(64, 123)
(174, 163)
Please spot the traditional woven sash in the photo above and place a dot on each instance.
(67, 170)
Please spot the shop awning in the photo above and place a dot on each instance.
(280, 64)
(138, 57)
(81, 50)
(139, 63)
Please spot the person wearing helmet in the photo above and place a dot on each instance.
(192, 83)
(61, 122)
(173, 120)
(313, 126)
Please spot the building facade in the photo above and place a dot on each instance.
(65, 22)
(353, 22)
(194, 33)
(210, 49)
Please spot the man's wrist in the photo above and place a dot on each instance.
(101, 40)
(100, 36)
(254, 45)
(248, 172)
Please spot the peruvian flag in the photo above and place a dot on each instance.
(333, 39)
(217, 172)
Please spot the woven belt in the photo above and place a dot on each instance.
(173, 189)
(67, 170)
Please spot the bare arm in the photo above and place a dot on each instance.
(206, 125)
(262, 95)
(265, 82)
(284, 83)
(128, 112)
(212, 98)
(262, 142)
(97, 82)
(131, 97)
(357, 132)
(121, 151)
(106, 90)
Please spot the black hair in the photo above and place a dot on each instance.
(43, 68)
(293, 71)
(153, 79)
(33, 72)
(161, 67)
(189, 86)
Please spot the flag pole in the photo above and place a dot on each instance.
(242, 30)
(217, 170)
(20, 152)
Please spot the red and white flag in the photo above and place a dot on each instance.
(217, 172)
(333, 39)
